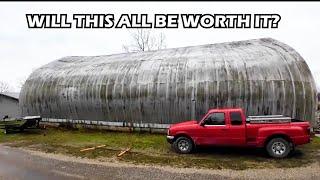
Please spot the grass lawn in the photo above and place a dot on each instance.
(153, 149)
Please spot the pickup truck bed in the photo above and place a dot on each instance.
(257, 134)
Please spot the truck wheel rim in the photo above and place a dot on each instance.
(183, 145)
(278, 148)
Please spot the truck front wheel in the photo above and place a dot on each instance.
(278, 148)
(183, 145)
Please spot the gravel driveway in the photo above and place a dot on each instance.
(25, 164)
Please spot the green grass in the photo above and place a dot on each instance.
(153, 149)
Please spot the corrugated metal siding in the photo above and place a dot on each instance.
(263, 76)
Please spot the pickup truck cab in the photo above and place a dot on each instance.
(229, 127)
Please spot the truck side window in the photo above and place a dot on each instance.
(236, 118)
(215, 119)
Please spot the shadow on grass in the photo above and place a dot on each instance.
(230, 151)
(234, 152)
(26, 132)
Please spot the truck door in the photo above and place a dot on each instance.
(214, 129)
(237, 130)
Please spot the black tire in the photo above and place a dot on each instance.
(278, 148)
(183, 145)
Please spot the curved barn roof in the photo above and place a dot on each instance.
(263, 76)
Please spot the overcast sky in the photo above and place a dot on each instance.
(22, 50)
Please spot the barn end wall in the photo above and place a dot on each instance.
(263, 76)
(9, 107)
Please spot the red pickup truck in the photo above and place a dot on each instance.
(229, 127)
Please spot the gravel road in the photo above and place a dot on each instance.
(25, 164)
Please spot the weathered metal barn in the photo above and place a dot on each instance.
(263, 76)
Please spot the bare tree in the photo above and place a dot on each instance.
(145, 40)
(4, 87)
(21, 82)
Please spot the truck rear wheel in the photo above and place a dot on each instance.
(183, 145)
(278, 148)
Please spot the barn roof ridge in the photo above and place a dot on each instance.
(264, 39)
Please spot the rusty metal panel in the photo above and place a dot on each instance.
(263, 76)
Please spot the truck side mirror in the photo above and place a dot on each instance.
(202, 123)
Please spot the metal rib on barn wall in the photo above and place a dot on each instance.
(263, 76)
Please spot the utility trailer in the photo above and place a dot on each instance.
(28, 122)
